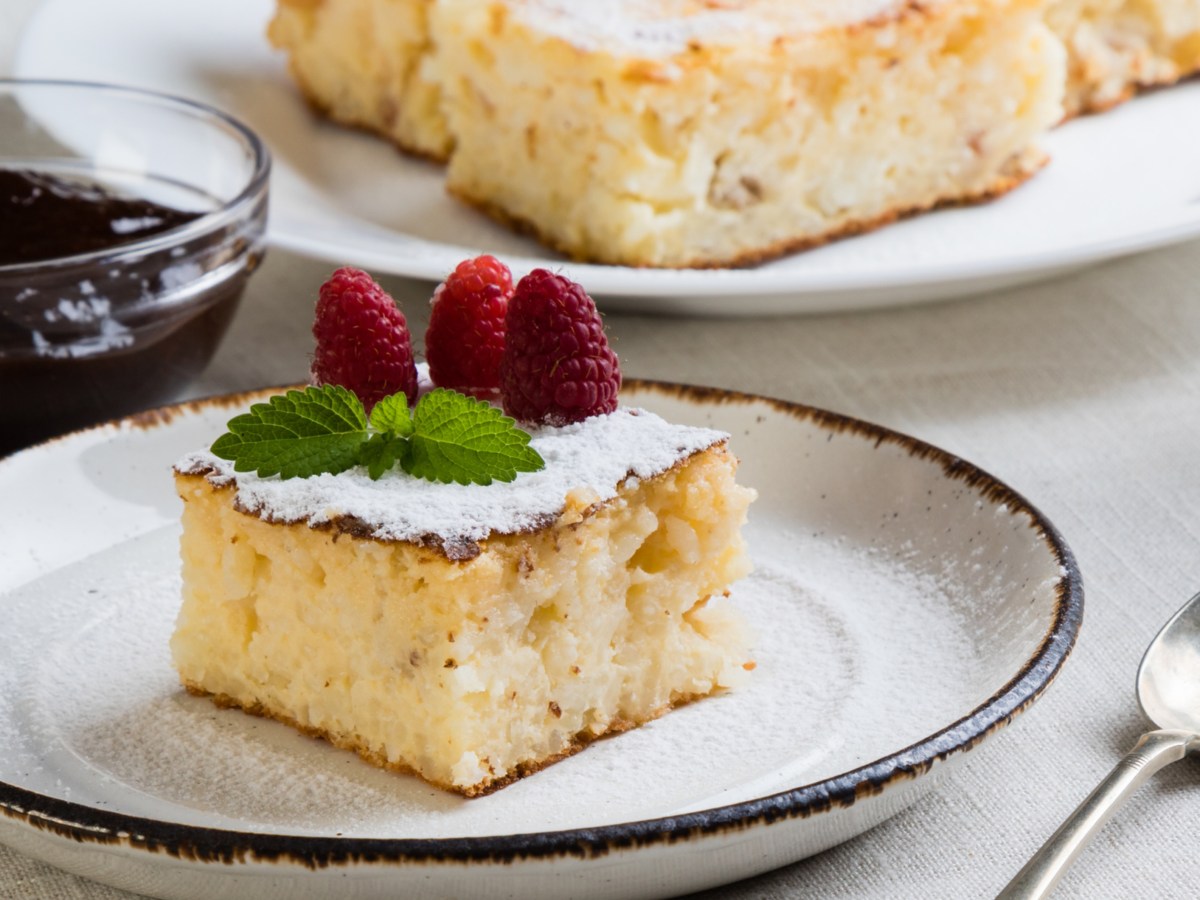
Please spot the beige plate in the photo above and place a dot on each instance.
(906, 606)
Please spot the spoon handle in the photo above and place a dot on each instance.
(1152, 751)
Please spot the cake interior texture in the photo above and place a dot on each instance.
(475, 667)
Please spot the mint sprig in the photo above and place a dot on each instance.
(447, 437)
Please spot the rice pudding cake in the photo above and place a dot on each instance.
(684, 133)
(1116, 47)
(470, 634)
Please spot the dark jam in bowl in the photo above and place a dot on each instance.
(44, 217)
(102, 313)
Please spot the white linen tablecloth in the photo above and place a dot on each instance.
(1082, 393)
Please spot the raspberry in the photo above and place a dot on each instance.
(557, 366)
(465, 338)
(363, 342)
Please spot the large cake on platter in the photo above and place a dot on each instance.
(686, 133)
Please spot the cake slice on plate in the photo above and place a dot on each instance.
(471, 633)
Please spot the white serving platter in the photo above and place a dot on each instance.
(1118, 183)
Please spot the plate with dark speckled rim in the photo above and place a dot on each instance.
(905, 606)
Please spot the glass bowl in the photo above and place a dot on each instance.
(91, 332)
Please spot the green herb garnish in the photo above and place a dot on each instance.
(447, 437)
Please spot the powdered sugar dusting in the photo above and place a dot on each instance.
(667, 27)
(589, 460)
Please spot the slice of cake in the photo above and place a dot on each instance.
(1118, 46)
(471, 634)
(691, 133)
(404, 570)
(366, 63)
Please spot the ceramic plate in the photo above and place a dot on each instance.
(906, 605)
(1119, 183)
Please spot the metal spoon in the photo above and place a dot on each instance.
(1168, 689)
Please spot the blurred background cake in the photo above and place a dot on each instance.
(683, 133)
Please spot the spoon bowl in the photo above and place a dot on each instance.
(1168, 682)
(1168, 689)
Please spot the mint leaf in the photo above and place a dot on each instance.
(457, 438)
(391, 414)
(380, 453)
(448, 437)
(297, 434)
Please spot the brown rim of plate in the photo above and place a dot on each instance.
(86, 824)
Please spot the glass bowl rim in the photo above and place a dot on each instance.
(229, 211)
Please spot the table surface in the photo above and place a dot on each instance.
(1082, 393)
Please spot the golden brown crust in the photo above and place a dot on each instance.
(350, 742)
(1020, 169)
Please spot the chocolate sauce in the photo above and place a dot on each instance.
(86, 341)
(44, 396)
(45, 217)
